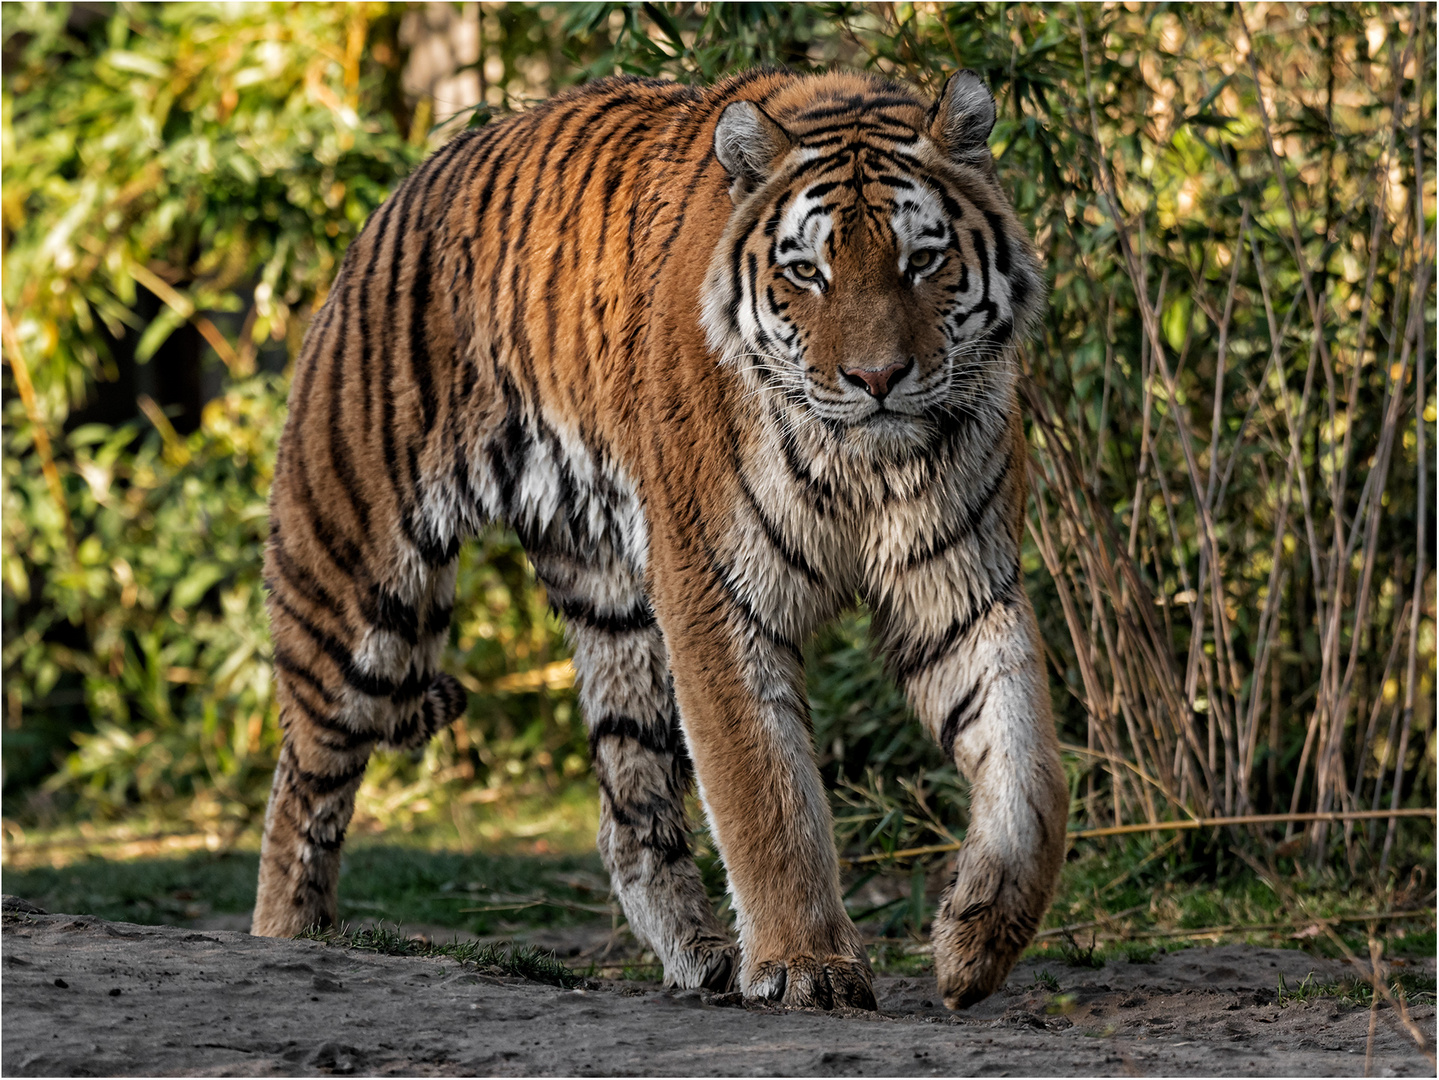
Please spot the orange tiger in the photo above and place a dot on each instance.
(725, 359)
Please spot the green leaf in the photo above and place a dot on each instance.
(1176, 321)
(124, 60)
(188, 591)
(157, 333)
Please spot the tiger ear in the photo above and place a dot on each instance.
(747, 144)
(963, 118)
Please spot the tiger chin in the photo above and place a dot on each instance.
(724, 359)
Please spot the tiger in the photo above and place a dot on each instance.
(728, 360)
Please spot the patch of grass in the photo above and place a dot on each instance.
(148, 891)
(899, 959)
(1136, 952)
(497, 958)
(1151, 885)
(481, 893)
(1408, 941)
(1077, 955)
(1409, 986)
(1045, 981)
(484, 894)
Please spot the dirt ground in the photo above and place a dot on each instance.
(86, 997)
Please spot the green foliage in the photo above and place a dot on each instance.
(158, 618)
(1079, 955)
(484, 894)
(228, 153)
(697, 43)
(222, 160)
(1137, 952)
(892, 787)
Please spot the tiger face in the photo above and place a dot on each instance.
(872, 272)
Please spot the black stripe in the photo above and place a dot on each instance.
(1001, 241)
(387, 346)
(381, 226)
(298, 578)
(600, 136)
(965, 712)
(773, 534)
(386, 611)
(618, 168)
(366, 683)
(974, 514)
(527, 215)
(723, 578)
(415, 730)
(287, 663)
(348, 740)
(660, 738)
(652, 822)
(581, 611)
(328, 784)
(439, 620)
(420, 362)
(343, 551)
(666, 246)
(912, 657)
(865, 103)
(435, 551)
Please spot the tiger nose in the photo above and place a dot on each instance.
(877, 382)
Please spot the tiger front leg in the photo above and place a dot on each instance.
(740, 689)
(643, 771)
(984, 697)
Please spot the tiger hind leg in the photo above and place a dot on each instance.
(342, 691)
(643, 769)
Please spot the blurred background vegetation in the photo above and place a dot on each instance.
(1232, 415)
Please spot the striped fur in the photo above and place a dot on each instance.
(724, 359)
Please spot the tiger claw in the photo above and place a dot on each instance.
(706, 967)
(826, 982)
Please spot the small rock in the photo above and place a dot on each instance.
(337, 1058)
(115, 992)
(62, 984)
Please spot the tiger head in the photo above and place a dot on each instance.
(872, 272)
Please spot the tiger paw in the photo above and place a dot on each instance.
(705, 967)
(975, 950)
(823, 982)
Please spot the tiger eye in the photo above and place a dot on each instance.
(805, 270)
(920, 259)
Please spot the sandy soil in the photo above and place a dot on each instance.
(83, 996)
